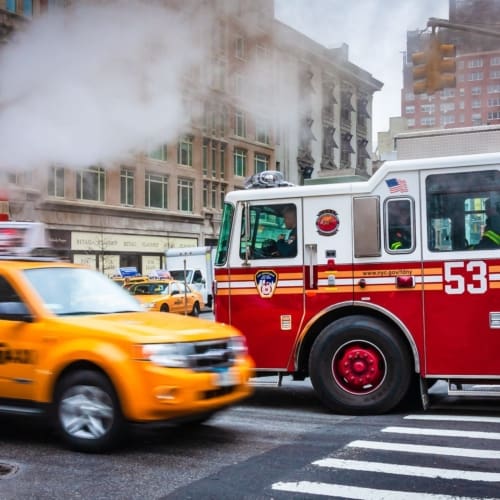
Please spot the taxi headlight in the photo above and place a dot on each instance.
(238, 345)
(171, 355)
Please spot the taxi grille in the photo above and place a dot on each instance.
(210, 355)
(217, 393)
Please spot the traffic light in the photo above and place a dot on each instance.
(435, 68)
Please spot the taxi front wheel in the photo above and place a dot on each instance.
(88, 413)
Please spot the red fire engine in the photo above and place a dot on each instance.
(384, 286)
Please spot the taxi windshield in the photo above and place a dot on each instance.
(72, 291)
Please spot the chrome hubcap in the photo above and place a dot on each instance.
(86, 412)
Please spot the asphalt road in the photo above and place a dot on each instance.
(268, 447)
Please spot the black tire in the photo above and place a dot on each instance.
(359, 365)
(196, 309)
(164, 308)
(87, 412)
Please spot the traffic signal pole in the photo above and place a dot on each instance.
(434, 22)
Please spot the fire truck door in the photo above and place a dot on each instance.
(462, 273)
(267, 284)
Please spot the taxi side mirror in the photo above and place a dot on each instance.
(15, 311)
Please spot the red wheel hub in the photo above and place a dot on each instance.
(359, 368)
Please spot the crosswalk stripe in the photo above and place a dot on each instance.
(419, 448)
(408, 470)
(454, 418)
(443, 432)
(358, 493)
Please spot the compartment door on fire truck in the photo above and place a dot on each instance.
(462, 271)
(270, 295)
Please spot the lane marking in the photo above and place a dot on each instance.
(443, 432)
(355, 492)
(433, 450)
(408, 470)
(455, 418)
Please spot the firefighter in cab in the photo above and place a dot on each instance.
(491, 233)
(399, 225)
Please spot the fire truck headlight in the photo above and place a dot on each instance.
(238, 345)
(168, 355)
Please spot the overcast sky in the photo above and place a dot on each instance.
(375, 31)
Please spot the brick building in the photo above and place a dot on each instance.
(476, 98)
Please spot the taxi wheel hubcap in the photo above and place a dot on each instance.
(86, 412)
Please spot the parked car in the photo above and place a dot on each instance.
(79, 350)
(168, 296)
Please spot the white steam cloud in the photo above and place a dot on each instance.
(95, 84)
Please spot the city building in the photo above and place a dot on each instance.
(475, 101)
(266, 97)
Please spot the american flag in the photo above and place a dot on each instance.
(397, 185)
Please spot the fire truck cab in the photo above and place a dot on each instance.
(382, 287)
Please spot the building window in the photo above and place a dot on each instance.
(222, 195)
(495, 75)
(56, 182)
(494, 115)
(126, 186)
(494, 89)
(214, 157)
(495, 61)
(411, 122)
(239, 48)
(159, 154)
(156, 188)
(205, 194)
(240, 162)
(185, 151)
(240, 128)
(10, 5)
(476, 119)
(447, 93)
(213, 200)
(185, 195)
(91, 184)
(428, 121)
(262, 130)
(445, 107)
(447, 120)
(239, 83)
(475, 63)
(409, 110)
(222, 165)
(476, 103)
(428, 108)
(204, 158)
(28, 8)
(494, 102)
(261, 163)
(475, 76)
(475, 91)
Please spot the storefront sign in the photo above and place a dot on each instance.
(102, 242)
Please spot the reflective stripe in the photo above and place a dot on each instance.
(491, 235)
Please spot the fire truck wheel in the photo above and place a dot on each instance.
(359, 365)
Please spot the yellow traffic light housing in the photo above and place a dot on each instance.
(419, 60)
(435, 68)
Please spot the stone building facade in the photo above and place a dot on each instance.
(266, 98)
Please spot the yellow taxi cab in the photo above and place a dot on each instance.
(78, 349)
(168, 296)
